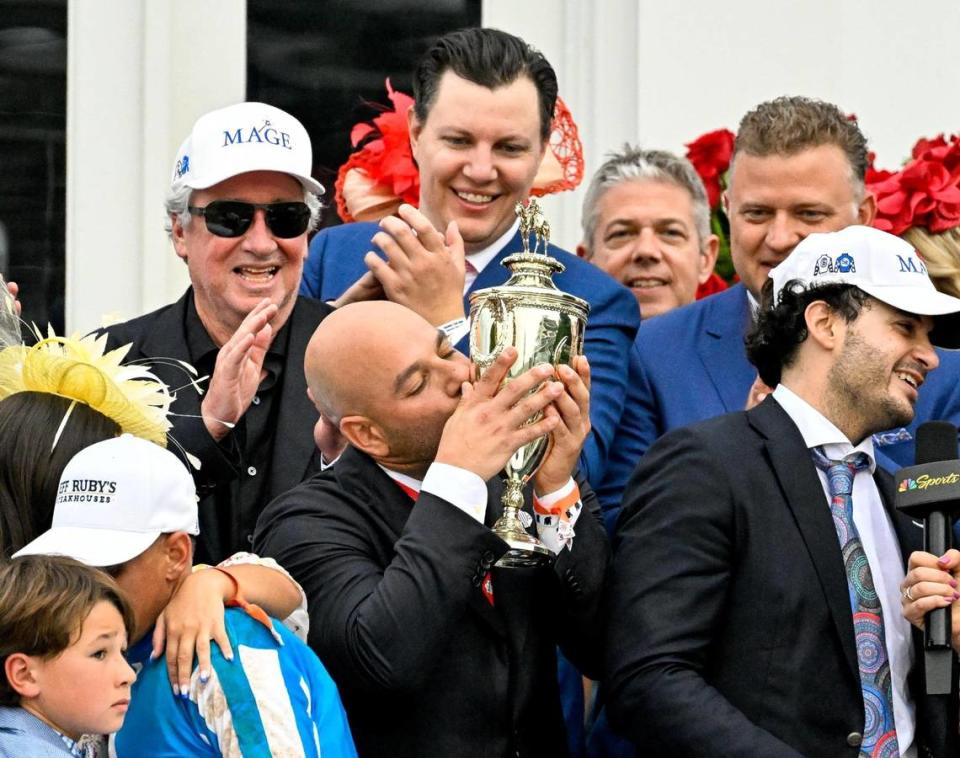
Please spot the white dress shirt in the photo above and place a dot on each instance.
(879, 543)
(465, 490)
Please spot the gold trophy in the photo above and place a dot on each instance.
(545, 325)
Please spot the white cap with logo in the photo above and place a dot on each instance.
(881, 264)
(115, 498)
(241, 138)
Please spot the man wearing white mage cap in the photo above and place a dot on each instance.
(755, 594)
(240, 204)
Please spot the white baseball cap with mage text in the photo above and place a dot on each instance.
(241, 138)
(881, 264)
(115, 498)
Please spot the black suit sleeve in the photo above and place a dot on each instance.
(581, 571)
(378, 620)
(674, 555)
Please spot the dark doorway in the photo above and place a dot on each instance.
(33, 97)
(326, 61)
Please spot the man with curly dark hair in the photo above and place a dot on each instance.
(755, 604)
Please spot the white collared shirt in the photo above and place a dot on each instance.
(481, 259)
(465, 490)
(457, 486)
(879, 543)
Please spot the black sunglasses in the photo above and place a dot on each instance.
(231, 218)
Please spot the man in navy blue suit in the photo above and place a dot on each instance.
(798, 167)
(484, 101)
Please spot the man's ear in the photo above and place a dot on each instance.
(19, 669)
(177, 235)
(582, 252)
(708, 257)
(825, 326)
(365, 436)
(415, 128)
(867, 210)
(178, 554)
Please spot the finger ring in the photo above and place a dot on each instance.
(908, 593)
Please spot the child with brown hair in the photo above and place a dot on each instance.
(63, 631)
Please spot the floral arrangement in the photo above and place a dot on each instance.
(381, 174)
(710, 155)
(924, 193)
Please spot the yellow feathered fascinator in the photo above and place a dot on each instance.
(81, 369)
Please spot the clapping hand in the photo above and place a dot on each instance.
(424, 270)
(237, 372)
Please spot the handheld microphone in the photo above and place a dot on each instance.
(931, 490)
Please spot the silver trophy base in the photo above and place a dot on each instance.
(525, 553)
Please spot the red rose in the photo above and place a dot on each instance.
(710, 155)
(875, 175)
(925, 193)
(923, 145)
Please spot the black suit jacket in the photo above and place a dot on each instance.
(162, 334)
(425, 665)
(730, 630)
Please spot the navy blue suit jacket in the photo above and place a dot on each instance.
(690, 364)
(336, 261)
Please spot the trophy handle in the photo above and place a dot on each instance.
(501, 317)
(558, 355)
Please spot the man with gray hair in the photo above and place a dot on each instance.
(646, 222)
(240, 204)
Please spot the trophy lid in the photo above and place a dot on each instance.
(532, 270)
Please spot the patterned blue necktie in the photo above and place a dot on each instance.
(879, 733)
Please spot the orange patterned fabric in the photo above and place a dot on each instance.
(566, 150)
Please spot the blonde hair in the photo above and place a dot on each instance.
(941, 253)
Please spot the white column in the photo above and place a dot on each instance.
(139, 73)
(592, 45)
